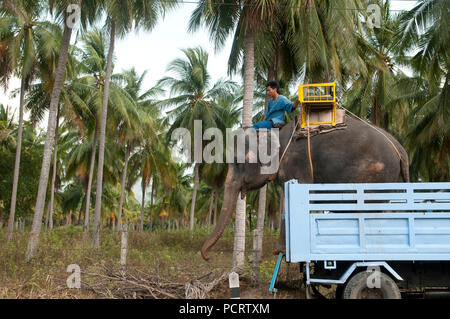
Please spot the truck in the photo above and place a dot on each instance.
(371, 240)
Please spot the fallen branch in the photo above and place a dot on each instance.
(112, 283)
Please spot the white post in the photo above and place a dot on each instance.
(233, 279)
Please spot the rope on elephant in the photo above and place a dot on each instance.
(376, 129)
(309, 147)
(311, 169)
(289, 143)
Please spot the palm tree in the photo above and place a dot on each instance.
(20, 33)
(87, 8)
(174, 198)
(195, 100)
(120, 18)
(152, 157)
(377, 94)
(424, 31)
(132, 133)
(83, 103)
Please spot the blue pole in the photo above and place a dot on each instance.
(275, 272)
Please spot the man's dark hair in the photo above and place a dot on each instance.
(274, 85)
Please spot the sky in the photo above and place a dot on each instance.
(154, 50)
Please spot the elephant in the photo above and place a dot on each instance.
(357, 154)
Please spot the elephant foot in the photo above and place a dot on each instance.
(279, 248)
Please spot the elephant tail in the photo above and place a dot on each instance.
(404, 166)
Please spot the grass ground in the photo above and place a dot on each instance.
(173, 256)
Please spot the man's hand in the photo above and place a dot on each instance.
(294, 106)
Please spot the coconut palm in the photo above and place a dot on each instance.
(88, 8)
(377, 94)
(84, 101)
(89, 12)
(195, 100)
(424, 31)
(152, 158)
(141, 130)
(173, 199)
(120, 16)
(21, 35)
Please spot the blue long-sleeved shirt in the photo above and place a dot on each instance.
(276, 110)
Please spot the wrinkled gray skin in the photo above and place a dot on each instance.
(357, 154)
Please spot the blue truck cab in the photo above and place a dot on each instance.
(377, 240)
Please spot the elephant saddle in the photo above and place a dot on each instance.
(321, 116)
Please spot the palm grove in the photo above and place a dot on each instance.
(107, 134)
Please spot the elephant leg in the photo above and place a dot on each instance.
(281, 244)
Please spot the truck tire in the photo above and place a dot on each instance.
(357, 288)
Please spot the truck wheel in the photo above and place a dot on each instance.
(357, 288)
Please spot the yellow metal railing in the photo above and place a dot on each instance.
(320, 95)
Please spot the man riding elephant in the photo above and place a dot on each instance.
(275, 115)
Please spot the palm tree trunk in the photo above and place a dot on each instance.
(46, 218)
(249, 74)
(141, 228)
(216, 199)
(208, 217)
(69, 218)
(122, 190)
(80, 212)
(194, 196)
(88, 192)
(12, 211)
(52, 188)
(48, 146)
(151, 204)
(373, 111)
(239, 236)
(101, 147)
(258, 235)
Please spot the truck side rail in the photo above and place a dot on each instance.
(367, 222)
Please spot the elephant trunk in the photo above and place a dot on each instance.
(232, 190)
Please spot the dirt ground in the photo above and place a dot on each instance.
(172, 258)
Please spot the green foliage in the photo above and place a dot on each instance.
(29, 172)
